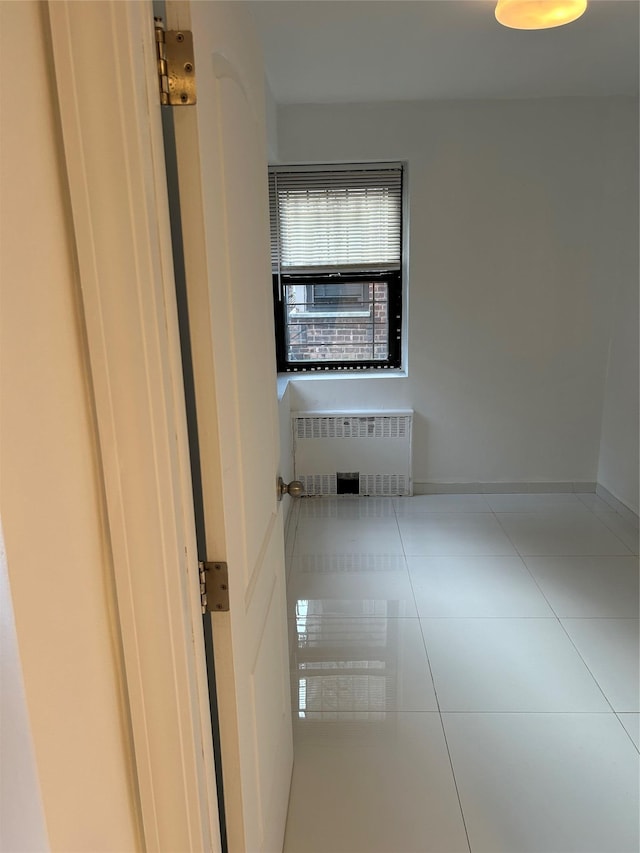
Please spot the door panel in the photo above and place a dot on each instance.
(252, 339)
(222, 172)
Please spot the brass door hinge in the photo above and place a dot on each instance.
(214, 587)
(176, 66)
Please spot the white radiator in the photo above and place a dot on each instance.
(362, 453)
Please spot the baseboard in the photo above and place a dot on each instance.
(501, 488)
(617, 505)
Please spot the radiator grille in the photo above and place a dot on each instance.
(319, 484)
(392, 426)
(383, 484)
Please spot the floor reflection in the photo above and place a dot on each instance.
(344, 665)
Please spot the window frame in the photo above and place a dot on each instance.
(394, 278)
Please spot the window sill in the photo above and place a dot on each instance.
(314, 315)
(315, 375)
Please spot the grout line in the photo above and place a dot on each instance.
(522, 556)
(444, 734)
(496, 713)
(435, 693)
(552, 618)
(552, 608)
(611, 530)
(586, 664)
(453, 618)
(455, 781)
(593, 513)
(606, 698)
(500, 712)
(617, 714)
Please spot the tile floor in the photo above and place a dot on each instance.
(464, 674)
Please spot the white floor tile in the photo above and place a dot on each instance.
(556, 502)
(609, 647)
(555, 534)
(588, 586)
(631, 722)
(545, 783)
(347, 536)
(420, 504)
(475, 586)
(372, 772)
(373, 785)
(454, 534)
(622, 528)
(365, 664)
(508, 665)
(351, 585)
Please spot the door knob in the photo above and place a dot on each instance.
(295, 488)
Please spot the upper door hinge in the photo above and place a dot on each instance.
(214, 587)
(176, 67)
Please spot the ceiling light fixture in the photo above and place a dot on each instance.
(538, 14)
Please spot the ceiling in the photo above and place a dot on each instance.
(320, 51)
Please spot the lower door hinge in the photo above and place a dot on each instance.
(176, 67)
(214, 587)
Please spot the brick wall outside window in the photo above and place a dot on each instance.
(344, 337)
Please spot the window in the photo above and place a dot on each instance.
(336, 252)
(322, 297)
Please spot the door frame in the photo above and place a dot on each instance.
(114, 159)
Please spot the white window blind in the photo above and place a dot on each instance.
(339, 219)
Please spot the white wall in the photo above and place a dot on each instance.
(286, 435)
(22, 826)
(284, 388)
(271, 118)
(509, 307)
(618, 463)
(286, 443)
(51, 490)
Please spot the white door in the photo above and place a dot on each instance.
(107, 90)
(222, 174)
